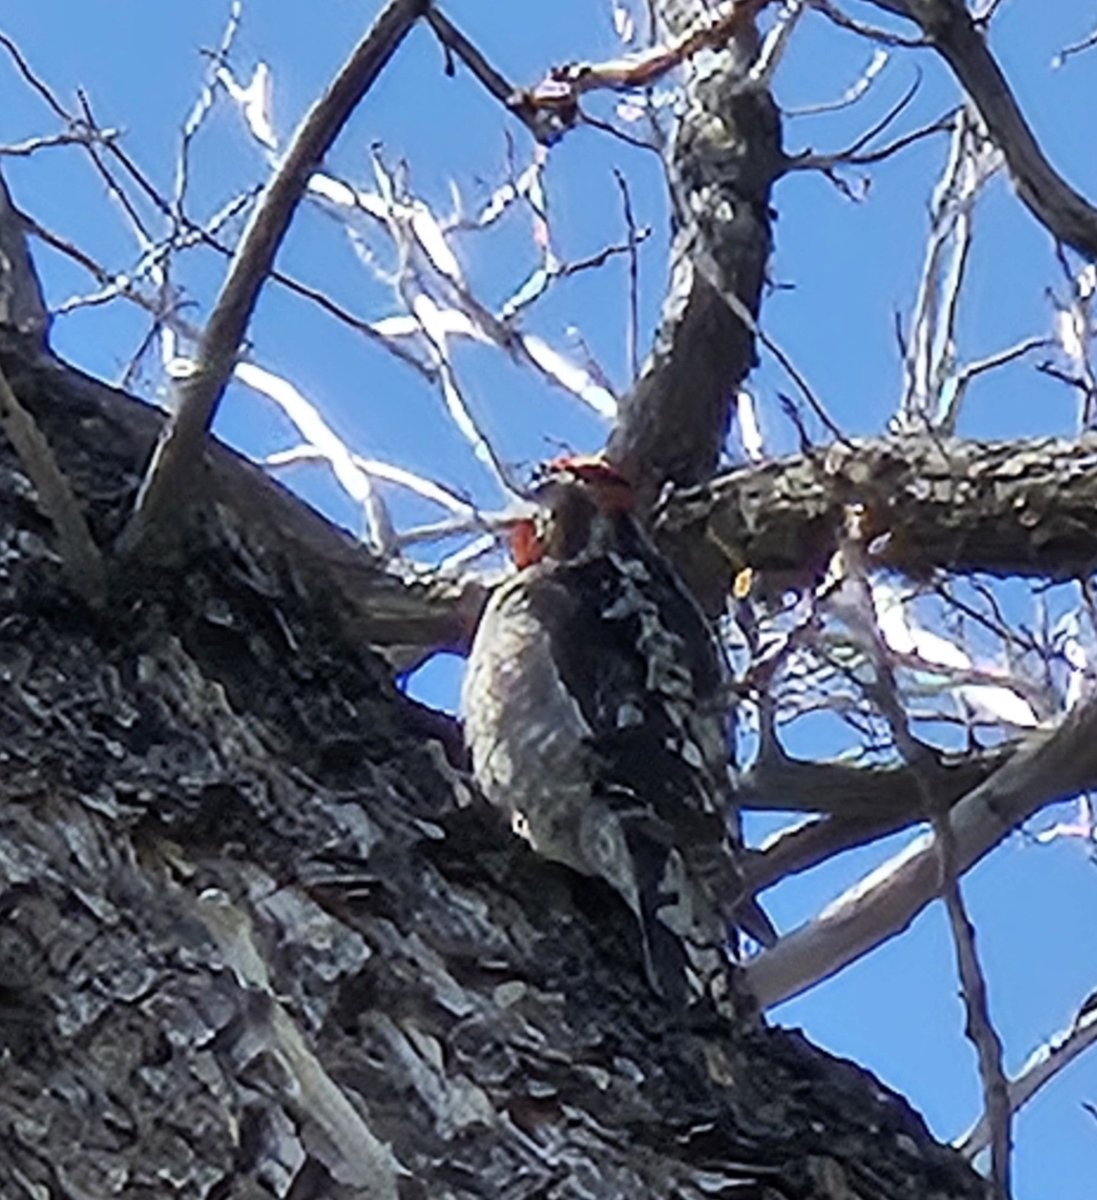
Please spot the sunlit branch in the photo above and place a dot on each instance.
(203, 106)
(1043, 1065)
(1048, 767)
(77, 137)
(167, 488)
(929, 394)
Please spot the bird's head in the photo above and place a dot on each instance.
(577, 498)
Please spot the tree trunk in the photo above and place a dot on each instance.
(259, 938)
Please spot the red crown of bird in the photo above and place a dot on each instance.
(607, 487)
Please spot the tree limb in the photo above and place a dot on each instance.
(860, 805)
(1050, 767)
(950, 29)
(722, 164)
(169, 485)
(1021, 507)
(407, 618)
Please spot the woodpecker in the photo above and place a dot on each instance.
(595, 713)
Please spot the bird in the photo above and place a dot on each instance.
(595, 712)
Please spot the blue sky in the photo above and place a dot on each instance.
(844, 269)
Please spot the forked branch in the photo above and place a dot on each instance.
(169, 485)
(958, 38)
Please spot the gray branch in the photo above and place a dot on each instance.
(722, 163)
(950, 29)
(170, 483)
(1053, 766)
(1021, 507)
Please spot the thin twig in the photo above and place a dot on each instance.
(203, 105)
(455, 42)
(1043, 1065)
(1079, 47)
(43, 90)
(855, 154)
(991, 362)
(632, 336)
(856, 91)
(932, 386)
(872, 32)
(72, 137)
(168, 485)
(776, 41)
(978, 1027)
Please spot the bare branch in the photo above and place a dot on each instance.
(378, 530)
(77, 137)
(979, 1027)
(1079, 47)
(1074, 336)
(854, 158)
(542, 124)
(1042, 1067)
(634, 239)
(1006, 508)
(954, 34)
(1049, 767)
(203, 105)
(990, 362)
(930, 395)
(559, 93)
(885, 37)
(33, 80)
(168, 485)
(776, 41)
(856, 91)
(861, 804)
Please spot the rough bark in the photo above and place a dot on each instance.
(407, 617)
(258, 939)
(22, 307)
(721, 166)
(1022, 507)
